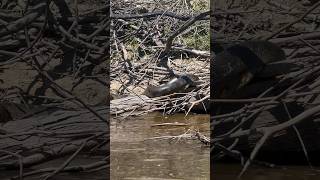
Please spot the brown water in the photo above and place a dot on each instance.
(135, 156)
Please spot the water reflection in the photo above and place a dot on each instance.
(133, 156)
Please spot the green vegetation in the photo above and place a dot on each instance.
(198, 40)
(200, 5)
(198, 37)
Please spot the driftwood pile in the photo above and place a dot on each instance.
(48, 135)
(284, 116)
(54, 69)
(149, 45)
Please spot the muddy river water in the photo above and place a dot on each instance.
(135, 155)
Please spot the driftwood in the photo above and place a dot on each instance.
(52, 135)
(139, 105)
(156, 58)
(54, 76)
(278, 116)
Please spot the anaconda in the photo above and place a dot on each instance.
(236, 65)
(176, 85)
